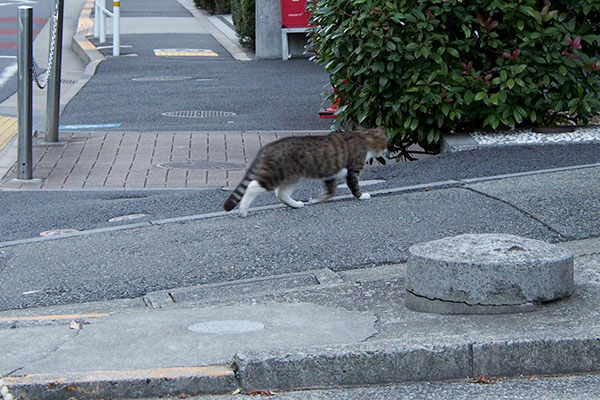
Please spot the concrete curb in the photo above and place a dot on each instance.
(82, 46)
(456, 142)
(377, 363)
(393, 362)
(188, 381)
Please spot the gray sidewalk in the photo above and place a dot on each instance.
(289, 303)
(296, 331)
(134, 160)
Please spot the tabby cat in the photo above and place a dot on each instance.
(281, 164)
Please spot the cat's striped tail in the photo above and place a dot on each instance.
(239, 191)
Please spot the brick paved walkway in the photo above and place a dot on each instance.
(129, 160)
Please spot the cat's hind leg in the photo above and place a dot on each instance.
(254, 189)
(284, 194)
(329, 191)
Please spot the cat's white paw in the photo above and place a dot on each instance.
(298, 204)
(365, 196)
(243, 214)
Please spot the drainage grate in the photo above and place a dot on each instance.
(198, 114)
(199, 164)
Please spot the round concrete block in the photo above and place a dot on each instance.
(486, 274)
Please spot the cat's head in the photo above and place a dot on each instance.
(377, 141)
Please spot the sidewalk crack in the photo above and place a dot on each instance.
(47, 354)
(377, 330)
(464, 302)
(562, 236)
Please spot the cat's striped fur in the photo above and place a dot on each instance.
(281, 164)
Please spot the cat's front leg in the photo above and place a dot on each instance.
(352, 182)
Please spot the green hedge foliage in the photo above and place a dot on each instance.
(214, 6)
(426, 67)
(243, 15)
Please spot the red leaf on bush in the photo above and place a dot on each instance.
(575, 44)
(467, 68)
(513, 55)
(488, 24)
(429, 13)
(480, 20)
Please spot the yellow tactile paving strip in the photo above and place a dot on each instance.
(185, 53)
(86, 23)
(9, 126)
(54, 317)
(134, 374)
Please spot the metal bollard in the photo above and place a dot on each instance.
(24, 91)
(116, 28)
(53, 93)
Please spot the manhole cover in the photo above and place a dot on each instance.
(199, 164)
(164, 78)
(56, 232)
(128, 217)
(226, 327)
(198, 114)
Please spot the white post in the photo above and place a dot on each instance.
(102, 21)
(116, 27)
(97, 13)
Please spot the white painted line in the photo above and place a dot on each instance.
(110, 47)
(8, 73)
(88, 126)
(127, 217)
(529, 173)
(367, 182)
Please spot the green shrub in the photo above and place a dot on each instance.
(214, 6)
(243, 15)
(426, 67)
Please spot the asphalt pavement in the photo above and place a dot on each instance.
(178, 298)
